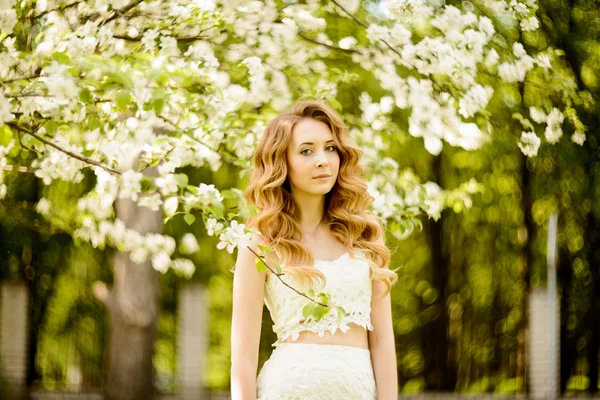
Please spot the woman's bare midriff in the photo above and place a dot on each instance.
(356, 336)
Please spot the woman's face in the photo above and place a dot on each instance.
(312, 152)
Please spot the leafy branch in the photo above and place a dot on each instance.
(321, 309)
(67, 152)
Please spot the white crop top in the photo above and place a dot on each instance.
(347, 280)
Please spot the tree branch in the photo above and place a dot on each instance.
(121, 11)
(350, 14)
(309, 39)
(183, 39)
(59, 8)
(67, 152)
(16, 168)
(19, 78)
(228, 158)
(364, 25)
(282, 281)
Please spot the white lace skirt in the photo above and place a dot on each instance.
(317, 371)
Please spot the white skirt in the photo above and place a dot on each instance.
(317, 371)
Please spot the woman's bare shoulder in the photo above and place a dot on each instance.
(259, 240)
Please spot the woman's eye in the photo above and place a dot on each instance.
(303, 152)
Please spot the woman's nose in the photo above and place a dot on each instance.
(322, 159)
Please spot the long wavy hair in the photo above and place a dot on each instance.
(345, 205)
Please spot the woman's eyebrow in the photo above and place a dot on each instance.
(329, 141)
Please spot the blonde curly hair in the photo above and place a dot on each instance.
(345, 205)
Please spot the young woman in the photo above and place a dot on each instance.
(308, 185)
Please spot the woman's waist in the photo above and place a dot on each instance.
(355, 336)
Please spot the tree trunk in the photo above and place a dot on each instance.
(593, 256)
(593, 320)
(439, 374)
(133, 308)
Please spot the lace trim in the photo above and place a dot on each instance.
(349, 283)
(322, 326)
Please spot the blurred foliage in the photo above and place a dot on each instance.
(494, 252)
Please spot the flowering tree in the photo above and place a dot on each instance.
(112, 90)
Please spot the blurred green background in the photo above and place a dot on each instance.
(460, 304)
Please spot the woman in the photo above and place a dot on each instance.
(308, 185)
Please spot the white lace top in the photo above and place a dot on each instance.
(347, 280)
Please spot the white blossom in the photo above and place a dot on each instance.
(8, 20)
(5, 114)
(130, 184)
(553, 130)
(161, 262)
(529, 143)
(189, 244)
(233, 237)
(530, 24)
(519, 50)
(348, 42)
(43, 206)
(491, 59)
(475, 99)
(184, 266)
(537, 114)
(213, 226)
(170, 206)
(152, 201)
(578, 137)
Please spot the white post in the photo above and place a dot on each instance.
(544, 329)
(553, 309)
(14, 332)
(193, 340)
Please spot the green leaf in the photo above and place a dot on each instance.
(123, 99)
(260, 266)
(62, 58)
(181, 179)
(341, 313)
(265, 249)
(320, 312)
(85, 95)
(277, 267)
(324, 298)
(189, 218)
(192, 189)
(216, 209)
(308, 310)
(6, 136)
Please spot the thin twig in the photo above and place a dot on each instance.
(364, 25)
(16, 168)
(309, 39)
(282, 281)
(182, 39)
(59, 8)
(294, 83)
(230, 159)
(15, 96)
(19, 78)
(116, 13)
(67, 152)
(350, 14)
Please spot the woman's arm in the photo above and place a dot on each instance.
(382, 344)
(248, 292)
